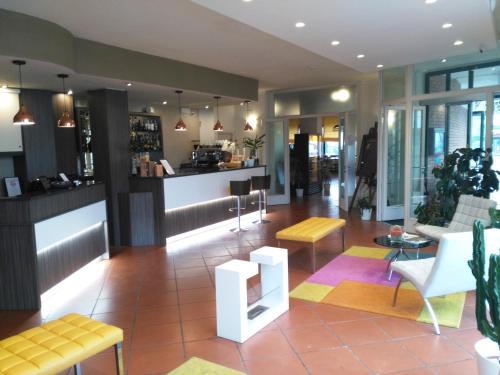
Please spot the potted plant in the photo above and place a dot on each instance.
(495, 217)
(253, 145)
(464, 171)
(365, 208)
(487, 304)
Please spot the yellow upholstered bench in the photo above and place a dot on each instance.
(58, 345)
(311, 231)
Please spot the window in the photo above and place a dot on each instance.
(474, 76)
(331, 148)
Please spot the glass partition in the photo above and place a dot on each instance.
(393, 81)
(417, 158)
(276, 156)
(395, 156)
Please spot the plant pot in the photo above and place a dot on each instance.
(299, 192)
(487, 357)
(366, 214)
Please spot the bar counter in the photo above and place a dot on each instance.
(46, 237)
(187, 201)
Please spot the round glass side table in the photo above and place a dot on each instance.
(402, 245)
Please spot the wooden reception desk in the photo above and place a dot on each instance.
(44, 238)
(189, 201)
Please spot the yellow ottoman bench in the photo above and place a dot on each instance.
(311, 231)
(58, 345)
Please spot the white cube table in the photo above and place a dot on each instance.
(231, 292)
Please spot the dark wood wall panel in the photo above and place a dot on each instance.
(60, 261)
(39, 158)
(138, 224)
(199, 216)
(111, 142)
(65, 138)
(18, 272)
(155, 186)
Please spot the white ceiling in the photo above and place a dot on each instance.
(388, 32)
(182, 30)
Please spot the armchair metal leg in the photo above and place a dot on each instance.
(119, 359)
(343, 238)
(77, 369)
(396, 292)
(433, 316)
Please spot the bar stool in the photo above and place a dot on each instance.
(261, 183)
(238, 189)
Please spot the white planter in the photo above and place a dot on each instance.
(299, 192)
(366, 214)
(487, 357)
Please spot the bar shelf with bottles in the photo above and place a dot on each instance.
(146, 135)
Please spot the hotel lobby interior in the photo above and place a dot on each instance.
(195, 187)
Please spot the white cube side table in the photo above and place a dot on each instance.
(231, 292)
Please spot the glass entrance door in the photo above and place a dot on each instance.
(392, 184)
(347, 159)
(278, 162)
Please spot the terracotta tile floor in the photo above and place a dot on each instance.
(165, 302)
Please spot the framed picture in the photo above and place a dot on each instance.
(12, 186)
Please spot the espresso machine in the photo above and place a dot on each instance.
(207, 157)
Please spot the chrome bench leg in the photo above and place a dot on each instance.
(119, 359)
(77, 369)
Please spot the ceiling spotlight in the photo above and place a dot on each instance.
(70, 92)
(458, 43)
(360, 56)
(341, 95)
(300, 25)
(444, 60)
(242, 103)
(430, 1)
(380, 66)
(129, 84)
(447, 25)
(247, 1)
(335, 43)
(164, 102)
(207, 106)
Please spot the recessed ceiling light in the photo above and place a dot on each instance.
(246, 1)
(335, 43)
(458, 43)
(380, 66)
(341, 95)
(300, 24)
(207, 107)
(444, 60)
(360, 56)
(447, 25)
(242, 103)
(430, 1)
(70, 92)
(164, 102)
(129, 84)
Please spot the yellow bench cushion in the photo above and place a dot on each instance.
(310, 230)
(56, 345)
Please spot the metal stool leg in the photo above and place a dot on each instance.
(239, 229)
(261, 200)
(77, 369)
(119, 359)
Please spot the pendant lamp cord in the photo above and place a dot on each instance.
(246, 119)
(64, 95)
(21, 84)
(179, 104)
(217, 109)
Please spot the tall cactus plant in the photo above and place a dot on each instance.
(487, 291)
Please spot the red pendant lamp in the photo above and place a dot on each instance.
(218, 127)
(248, 127)
(65, 121)
(180, 126)
(23, 116)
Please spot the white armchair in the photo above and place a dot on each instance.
(469, 209)
(448, 272)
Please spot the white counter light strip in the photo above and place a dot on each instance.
(207, 202)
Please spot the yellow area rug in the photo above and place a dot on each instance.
(357, 280)
(198, 366)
